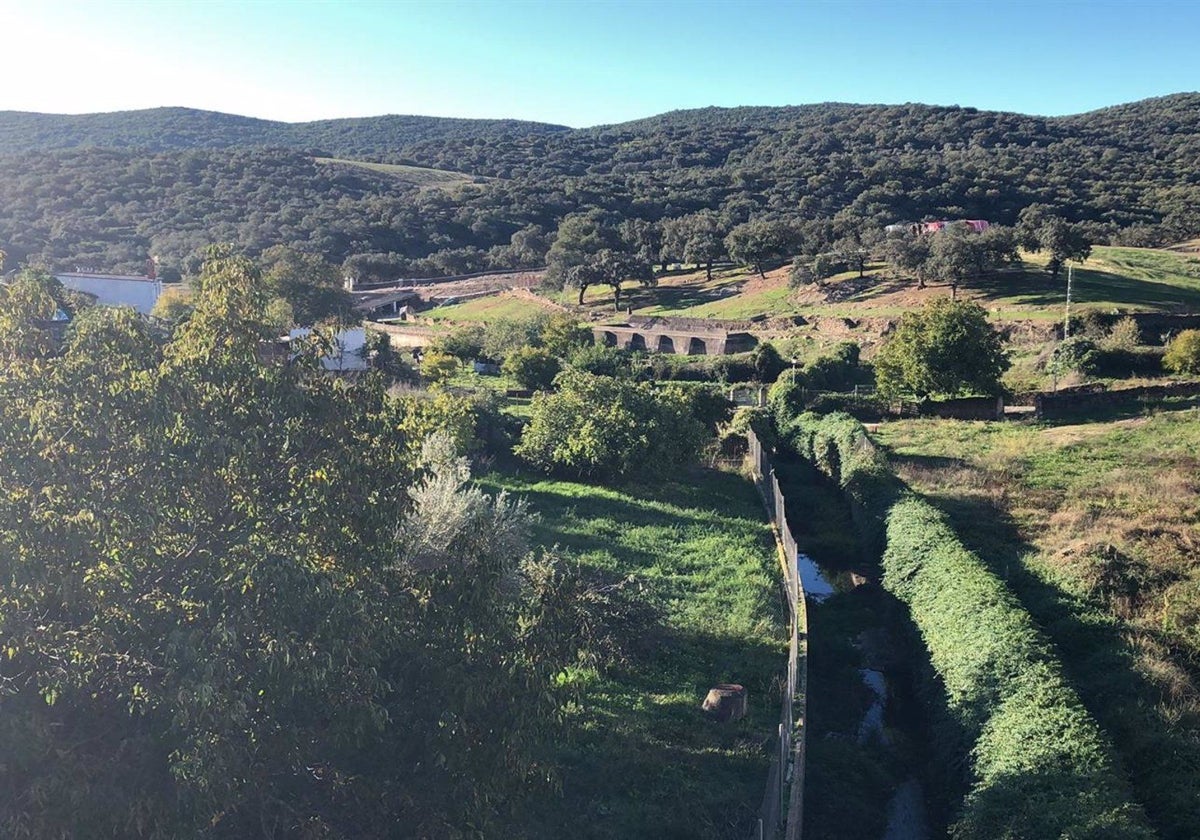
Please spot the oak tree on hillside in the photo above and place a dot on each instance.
(609, 268)
(756, 243)
(1040, 229)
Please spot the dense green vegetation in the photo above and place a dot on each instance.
(947, 348)
(276, 600)
(1093, 526)
(160, 129)
(265, 595)
(1037, 764)
(831, 171)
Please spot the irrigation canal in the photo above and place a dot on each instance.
(868, 769)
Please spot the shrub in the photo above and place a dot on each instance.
(825, 266)
(464, 344)
(438, 366)
(1125, 334)
(800, 274)
(563, 333)
(834, 371)
(1038, 763)
(1073, 355)
(532, 367)
(600, 360)
(601, 426)
(1183, 353)
(500, 338)
(767, 362)
(948, 348)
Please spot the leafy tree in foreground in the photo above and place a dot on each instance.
(601, 426)
(211, 624)
(948, 348)
(532, 367)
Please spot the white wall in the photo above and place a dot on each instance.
(116, 291)
(348, 346)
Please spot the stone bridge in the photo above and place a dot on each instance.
(659, 338)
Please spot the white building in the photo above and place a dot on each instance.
(115, 289)
(349, 349)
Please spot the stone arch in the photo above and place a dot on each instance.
(637, 341)
(666, 344)
(610, 338)
(697, 347)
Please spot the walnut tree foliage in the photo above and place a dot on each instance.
(235, 602)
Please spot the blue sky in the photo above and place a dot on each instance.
(586, 63)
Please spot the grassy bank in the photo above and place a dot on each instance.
(642, 760)
(1094, 527)
(1036, 762)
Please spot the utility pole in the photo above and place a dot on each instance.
(1067, 319)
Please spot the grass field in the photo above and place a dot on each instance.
(484, 310)
(1112, 279)
(418, 176)
(642, 760)
(1096, 527)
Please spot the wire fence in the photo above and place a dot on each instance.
(782, 810)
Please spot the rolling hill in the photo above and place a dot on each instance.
(109, 189)
(161, 129)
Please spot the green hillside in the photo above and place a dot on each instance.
(160, 129)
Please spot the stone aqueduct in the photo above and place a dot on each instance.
(662, 338)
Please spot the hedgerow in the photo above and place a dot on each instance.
(1039, 765)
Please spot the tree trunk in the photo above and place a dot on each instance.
(761, 273)
(582, 289)
(708, 269)
(617, 297)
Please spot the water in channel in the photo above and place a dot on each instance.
(867, 759)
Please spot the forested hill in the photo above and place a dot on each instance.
(1129, 173)
(161, 129)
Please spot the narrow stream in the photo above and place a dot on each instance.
(816, 587)
(867, 756)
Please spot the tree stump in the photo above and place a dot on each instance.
(726, 702)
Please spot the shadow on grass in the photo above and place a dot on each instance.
(1038, 288)
(1125, 410)
(642, 759)
(1098, 661)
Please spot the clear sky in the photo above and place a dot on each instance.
(582, 63)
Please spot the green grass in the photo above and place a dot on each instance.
(1126, 279)
(1040, 764)
(419, 176)
(485, 310)
(642, 760)
(1094, 526)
